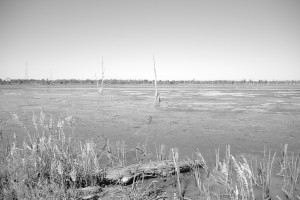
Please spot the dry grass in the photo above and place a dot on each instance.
(50, 158)
(290, 169)
(50, 164)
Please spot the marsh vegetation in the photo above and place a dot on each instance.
(122, 147)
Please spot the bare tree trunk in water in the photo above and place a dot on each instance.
(157, 96)
(100, 89)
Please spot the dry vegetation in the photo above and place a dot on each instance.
(51, 164)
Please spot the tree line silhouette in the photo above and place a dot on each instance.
(144, 81)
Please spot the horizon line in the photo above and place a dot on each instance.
(144, 79)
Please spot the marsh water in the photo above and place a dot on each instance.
(188, 117)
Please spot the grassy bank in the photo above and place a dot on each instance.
(51, 164)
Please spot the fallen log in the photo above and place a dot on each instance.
(126, 175)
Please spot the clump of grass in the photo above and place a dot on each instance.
(51, 163)
(161, 152)
(177, 171)
(230, 178)
(200, 176)
(290, 169)
(266, 173)
(244, 187)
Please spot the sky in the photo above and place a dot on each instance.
(202, 40)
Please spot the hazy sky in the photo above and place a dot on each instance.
(203, 40)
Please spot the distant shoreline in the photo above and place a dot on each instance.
(150, 86)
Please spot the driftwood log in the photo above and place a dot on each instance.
(126, 175)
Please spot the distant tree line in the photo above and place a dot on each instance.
(144, 81)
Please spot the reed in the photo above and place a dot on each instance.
(160, 152)
(290, 169)
(177, 171)
(51, 164)
(266, 173)
(49, 156)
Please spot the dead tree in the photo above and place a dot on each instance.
(157, 96)
(100, 89)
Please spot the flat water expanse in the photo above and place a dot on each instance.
(189, 117)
